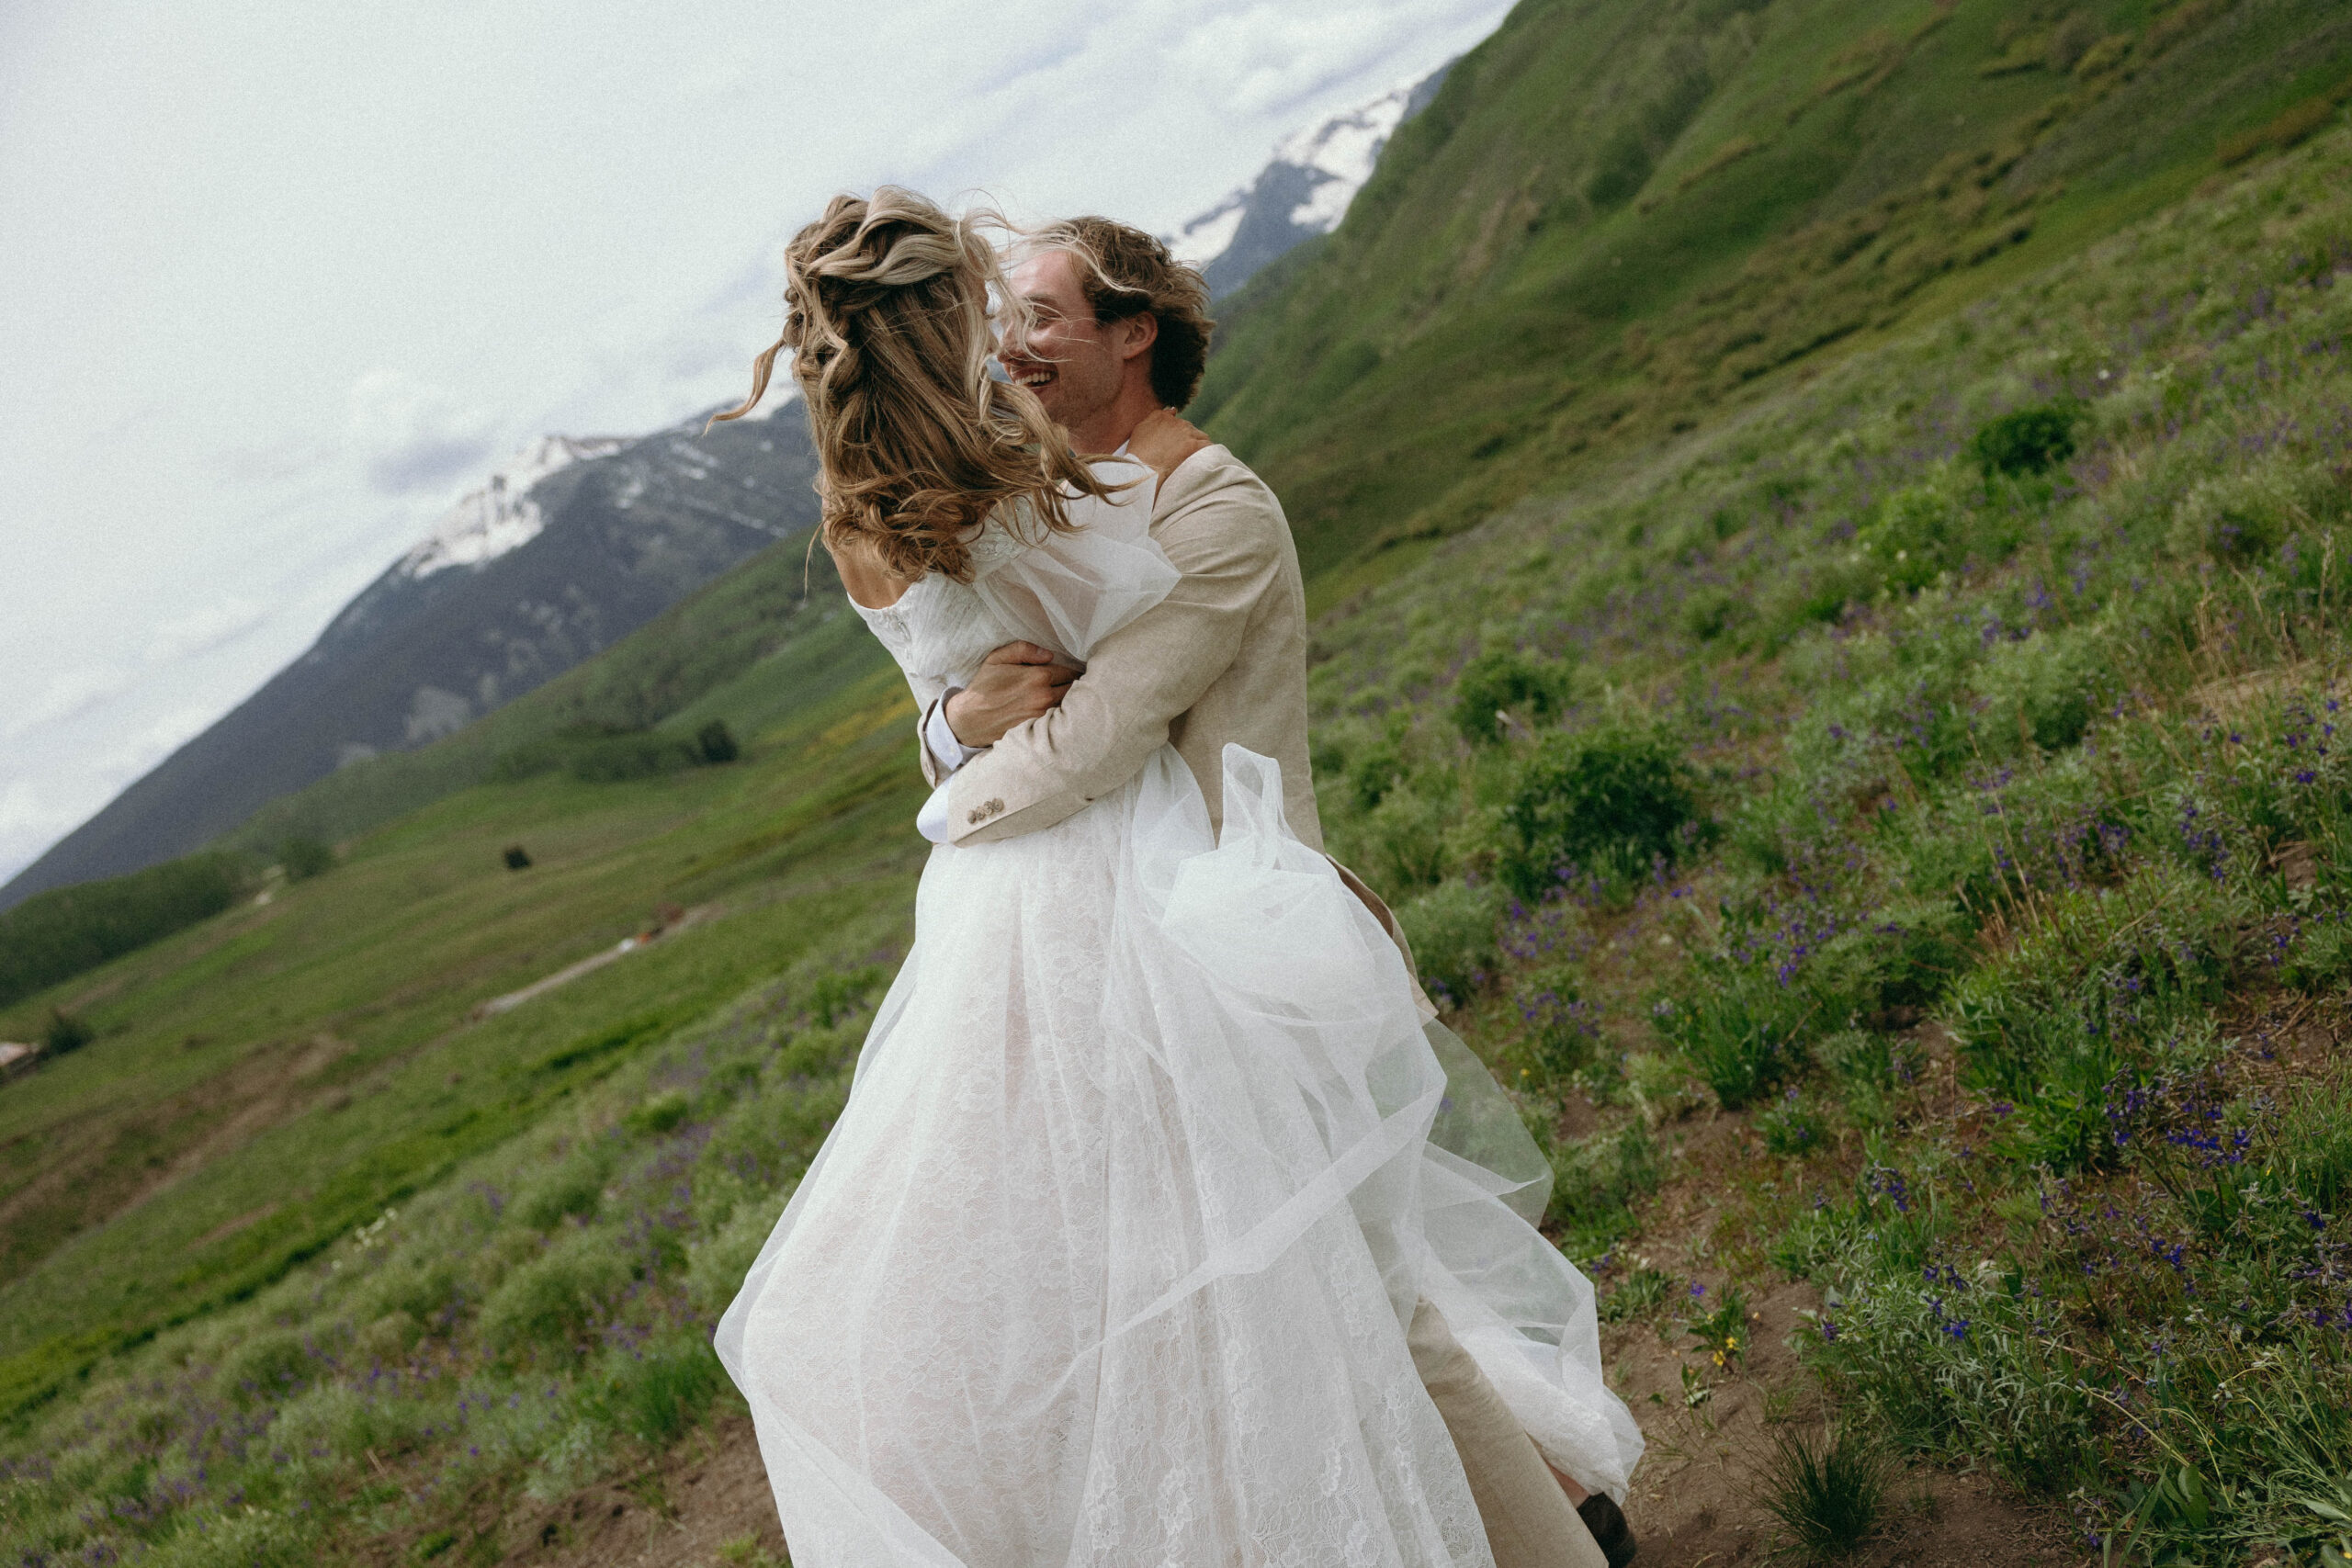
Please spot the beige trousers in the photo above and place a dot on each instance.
(1530, 1522)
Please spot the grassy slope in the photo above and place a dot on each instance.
(1481, 326)
(264, 1081)
(1692, 566)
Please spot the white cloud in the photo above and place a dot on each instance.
(414, 435)
(68, 695)
(203, 629)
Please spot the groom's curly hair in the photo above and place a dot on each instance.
(1128, 273)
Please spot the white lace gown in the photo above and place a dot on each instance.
(1108, 1259)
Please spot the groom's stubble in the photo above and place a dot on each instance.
(1094, 378)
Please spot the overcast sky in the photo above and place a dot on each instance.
(278, 282)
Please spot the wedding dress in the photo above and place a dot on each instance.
(1108, 1259)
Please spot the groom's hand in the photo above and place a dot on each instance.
(1015, 684)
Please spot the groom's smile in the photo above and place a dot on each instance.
(1075, 363)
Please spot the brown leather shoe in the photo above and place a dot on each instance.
(1606, 1520)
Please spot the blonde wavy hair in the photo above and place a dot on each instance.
(886, 316)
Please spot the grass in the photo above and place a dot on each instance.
(1827, 1496)
(2025, 899)
(1958, 815)
(1484, 329)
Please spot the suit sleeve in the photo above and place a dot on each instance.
(1140, 680)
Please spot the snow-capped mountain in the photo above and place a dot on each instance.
(571, 547)
(1303, 192)
(501, 515)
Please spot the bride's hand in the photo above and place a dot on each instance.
(1163, 441)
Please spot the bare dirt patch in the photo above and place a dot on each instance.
(676, 1511)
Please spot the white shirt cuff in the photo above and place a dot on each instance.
(932, 820)
(948, 753)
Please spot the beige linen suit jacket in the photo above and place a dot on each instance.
(1223, 657)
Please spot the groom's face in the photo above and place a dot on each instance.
(1074, 363)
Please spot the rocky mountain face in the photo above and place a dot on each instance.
(574, 545)
(1304, 192)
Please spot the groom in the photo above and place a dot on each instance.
(1031, 741)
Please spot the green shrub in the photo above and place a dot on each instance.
(65, 1032)
(1608, 802)
(1595, 1182)
(1405, 840)
(2028, 440)
(268, 1367)
(305, 857)
(575, 1187)
(1620, 170)
(598, 754)
(1791, 1127)
(660, 1115)
(426, 1289)
(547, 1304)
(717, 1263)
(1505, 681)
(716, 742)
(1914, 533)
(1563, 1030)
(656, 1391)
(1452, 931)
(1740, 1033)
(839, 994)
(2247, 516)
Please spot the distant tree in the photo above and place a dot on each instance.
(54, 935)
(517, 858)
(66, 1033)
(304, 857)
(717, 742)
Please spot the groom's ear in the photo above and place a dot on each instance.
(1137, 333)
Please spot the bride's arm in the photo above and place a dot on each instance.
(1225, 535)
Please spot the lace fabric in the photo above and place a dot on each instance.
(1109, 1257)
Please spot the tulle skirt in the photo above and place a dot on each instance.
(1109, 1257)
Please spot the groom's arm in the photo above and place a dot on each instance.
(1224, 532)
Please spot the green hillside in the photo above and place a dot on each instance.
(1616, 216)
(1874, 793)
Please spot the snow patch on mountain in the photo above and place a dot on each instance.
(1304, 192)
(1340, 153)
(501, 515)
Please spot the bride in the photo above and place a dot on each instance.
(1109, 1257)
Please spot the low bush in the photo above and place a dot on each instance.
(1595, 1182)
(1610, 803)
(272, 1365)
(1505, 682)
(1452, 933)
(546, 1306)
(654, 1391)
(716, 742)
(572, 1188)
(305, 857)
(65, 1032)
(2028, 440)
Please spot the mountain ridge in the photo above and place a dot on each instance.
(520, 581)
